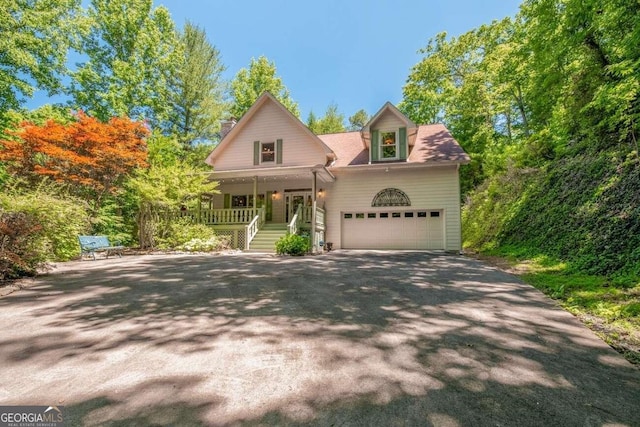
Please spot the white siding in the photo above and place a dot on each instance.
(387, 121)
(435, 188)
(267, 125)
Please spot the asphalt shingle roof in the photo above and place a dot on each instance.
(433, 144)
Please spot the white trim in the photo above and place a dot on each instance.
(272, 172)
(275, 153)
(396, 145)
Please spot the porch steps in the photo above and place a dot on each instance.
(265, 239)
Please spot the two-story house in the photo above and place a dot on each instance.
(392, 185)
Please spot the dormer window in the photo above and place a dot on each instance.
(388, 145)
(268, 152)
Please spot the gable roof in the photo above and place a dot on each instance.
(433, 145)
(391, 108)
(265, 98)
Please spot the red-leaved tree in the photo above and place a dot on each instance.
(87, 153)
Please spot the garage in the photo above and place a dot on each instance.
(394, 229)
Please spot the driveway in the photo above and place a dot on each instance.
(346, 339)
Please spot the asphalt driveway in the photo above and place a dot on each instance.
(349, 338)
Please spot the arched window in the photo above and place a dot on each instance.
(391, 197)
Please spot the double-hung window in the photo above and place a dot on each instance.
(388, 145)
(267, 152)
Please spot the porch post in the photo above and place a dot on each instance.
(314, 192)
(255, 192)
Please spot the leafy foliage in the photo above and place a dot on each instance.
(205, 245)
(583, 209)
(260, 77)
(18, 256)
(88, 153)
(547, 106)
(132, 54)
(159, 192)
(33, 52)
(54, 219)
(197, 89)
(293, 244)
(358, 120)
(332, 122)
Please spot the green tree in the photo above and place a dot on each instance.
(584, 68)
(250, 83)
(358, 120)
(161, 190)
(197, 97)
(332, 122)
(133, 53)
(312, 122)
(450, 85)
(35, 37)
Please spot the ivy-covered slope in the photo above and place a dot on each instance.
(583, 209)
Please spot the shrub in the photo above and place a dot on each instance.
(292, 244)
(178, 232)
(18, 252)
(205, 245)
(60, 218)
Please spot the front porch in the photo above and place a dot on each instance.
(249, 199)
(241, 225)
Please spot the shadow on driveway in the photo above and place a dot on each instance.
(350, 338)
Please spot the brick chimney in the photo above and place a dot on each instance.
(226, 126)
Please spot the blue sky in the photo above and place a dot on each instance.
(354, 53)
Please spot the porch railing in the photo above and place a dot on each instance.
(252, 228)
(229, 216)
(305, 214)
(294, 224)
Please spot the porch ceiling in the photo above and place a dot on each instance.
(274, 174)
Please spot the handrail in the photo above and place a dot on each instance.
(254, 226)
(251, 230)
(293, 224)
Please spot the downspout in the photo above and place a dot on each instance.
(314, 193)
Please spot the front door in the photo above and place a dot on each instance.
(293, 200)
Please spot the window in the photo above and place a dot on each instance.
(391, 197)
(384, 215)
(388, 145)
(359, 216)
(408, 214)
(371, 215)
(434, 214)
(268, 152)
(396, 215)
(422, 214)
(348, 216)
(246, 201)
(239, 202)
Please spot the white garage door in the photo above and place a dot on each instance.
(411, 229)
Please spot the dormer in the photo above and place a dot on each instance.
(389, 135)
